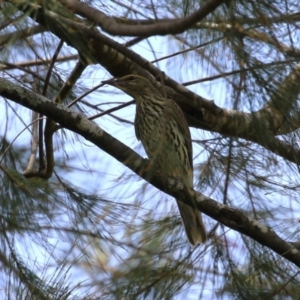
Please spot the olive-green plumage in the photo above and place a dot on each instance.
(164, 133)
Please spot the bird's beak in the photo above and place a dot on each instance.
(110, 82)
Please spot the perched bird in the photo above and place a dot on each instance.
(161, 126)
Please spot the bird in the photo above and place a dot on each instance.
(163, 130)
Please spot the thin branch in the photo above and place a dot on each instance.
(8, 21)
(108, 111)
(15, 138)
(3, 66)
(6, 38)
(226, 74)
(85, 94)
(38, 62)
(34, 144)
(42, 164)
(185, 51)
(282, 287)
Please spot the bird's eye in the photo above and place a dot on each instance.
(131, 78)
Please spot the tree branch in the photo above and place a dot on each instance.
(73, 121)
(38, 62)
(113, 27)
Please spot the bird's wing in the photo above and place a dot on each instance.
(179, 118)
(136, 128)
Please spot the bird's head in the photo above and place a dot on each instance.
(133, 85)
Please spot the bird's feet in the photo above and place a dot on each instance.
(175, 184)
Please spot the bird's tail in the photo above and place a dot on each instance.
(193, 223)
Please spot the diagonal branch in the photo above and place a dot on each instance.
(231, 217)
